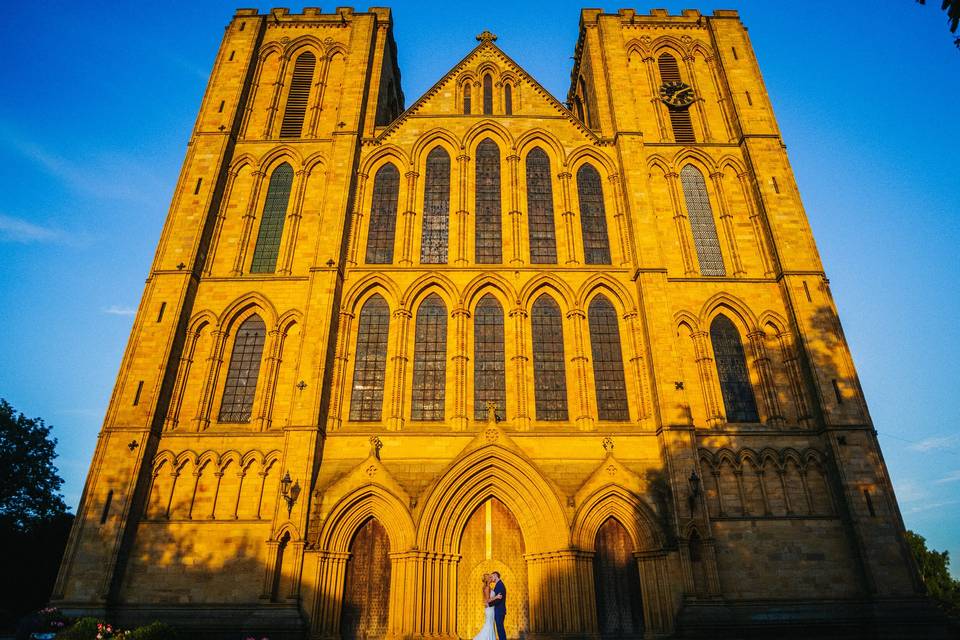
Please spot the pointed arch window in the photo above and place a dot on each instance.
(488, 242)
(508, 99)
(436, 208)
(549, 368)
(489, 365)
(585, 104)
(296, 109)
(430, 360)
(679, 118)
(738, 399)
(271, 223)
(466, 97)
(608, 375)
(702, 226)
(241, 384)
(543, 239)
(487, 95)
(383, 215)
(373, 330)
(593, 216)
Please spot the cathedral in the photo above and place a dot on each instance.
(384, 350)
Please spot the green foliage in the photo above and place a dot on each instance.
(154, 631)
(935, 570)
(29, 482)
(82, 629)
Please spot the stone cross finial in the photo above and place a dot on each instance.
(486, 36)
(608, 444)
(375, 446)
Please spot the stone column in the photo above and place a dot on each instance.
(649, 62)
(293, 224)
(767, 385)
(463, 214)
(639, 367)
(254, 90)
(214, 361)
(701, 111)
(620, 222)
(789, 355)
(183, 373)
(568, 217)
(584, 419)
(218, 226)
(681, 223)
(331, 572)
(275, 101)
(706, 368)
(409, 219)
(319, 91)
(397, 405)
(726, 222)
(519, 360)
(516, 216)
(658, 611)
(561, 601)
(356, 220)
(274, 349)
(721, 99)
(248, 219)
(338, 382)
(461, 420)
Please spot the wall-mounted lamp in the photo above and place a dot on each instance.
(289, 490)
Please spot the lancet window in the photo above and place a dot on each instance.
(543, 240)
(738, 399)
(489, 365)
(271, 223)
(508, 99)
(296, 109)
(549, 370)
(383, 215)
(679, 118)
(430, 360)
(436, 208)
(607, 361)
(373, 330)
(702, 225)
(466, 98)
(241, 384)
(489, 243)
(487, 95)
(593, 216)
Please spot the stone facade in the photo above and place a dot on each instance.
(230, 497)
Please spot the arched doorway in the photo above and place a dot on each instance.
(366, 591)
(492, 541)
(617, 583)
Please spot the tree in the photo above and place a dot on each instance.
(952, 7)
(34, 522)
(934, 569)
(29, 482)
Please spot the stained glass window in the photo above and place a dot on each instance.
(271, 223)
(489, 366)
(466, 98)
(607, 361)
(489, 219)
(436, 208)
(299, 93)
(508, 99)
(430, 360)
(679, 118)
(366, 400)
(487, 95)
(241, 384)
(701, 222)
(549, 369)
(738, 399)
(383, 215)
(593, 216)
(543, 240)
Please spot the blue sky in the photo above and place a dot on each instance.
(99, 101)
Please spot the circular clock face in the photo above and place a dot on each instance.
(677, 94)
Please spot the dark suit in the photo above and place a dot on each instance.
(500, 609)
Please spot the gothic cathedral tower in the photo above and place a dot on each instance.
(382, 352)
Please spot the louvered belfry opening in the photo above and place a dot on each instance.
(296, 109)
(679, 118)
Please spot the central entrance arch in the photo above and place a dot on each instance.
(492, 541)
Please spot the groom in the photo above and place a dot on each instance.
(500, 605)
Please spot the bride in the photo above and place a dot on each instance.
(489, 629)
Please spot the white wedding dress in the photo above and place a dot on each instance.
(489, 629)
